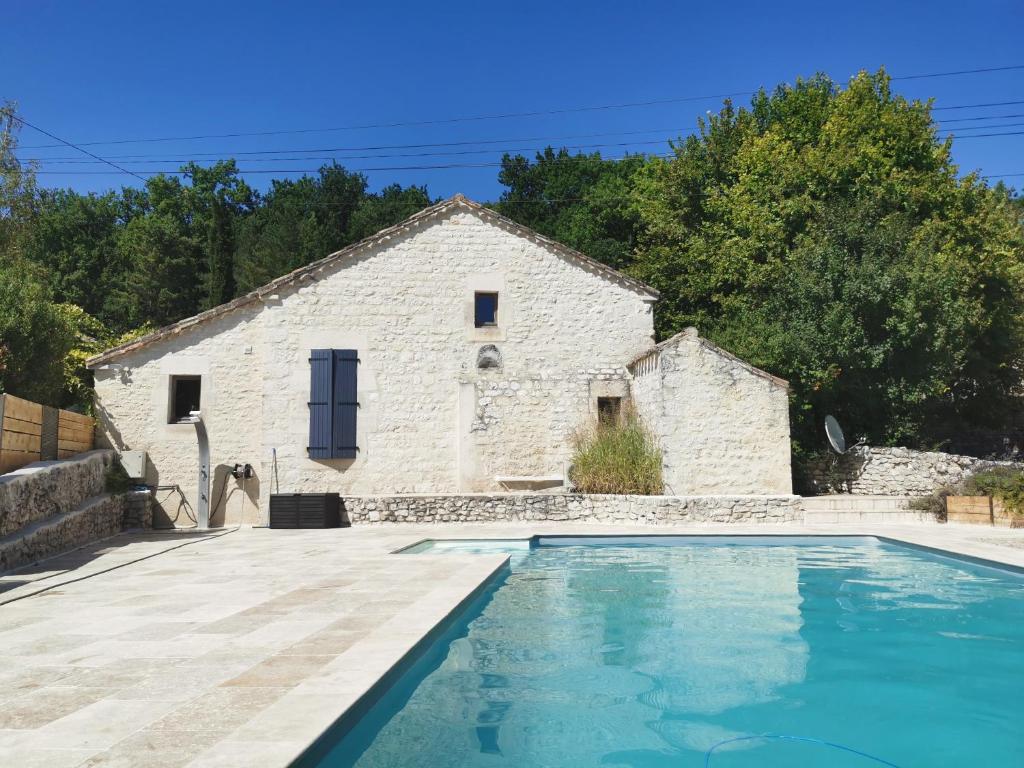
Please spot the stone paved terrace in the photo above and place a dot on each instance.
(240, 648)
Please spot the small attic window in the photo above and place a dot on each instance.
(485, 309)
(185, 397)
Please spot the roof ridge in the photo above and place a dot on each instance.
(307, 270)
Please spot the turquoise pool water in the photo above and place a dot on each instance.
(645, 653)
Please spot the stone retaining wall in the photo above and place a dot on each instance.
(48, 488)
(894, 471)
(138, 510)
(416, 508)
(97, 518)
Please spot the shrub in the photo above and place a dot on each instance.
(1003, 483)
(617, 457)
(935, 504)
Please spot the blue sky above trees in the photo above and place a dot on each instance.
(120, 70)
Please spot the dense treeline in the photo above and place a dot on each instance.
(822, 233)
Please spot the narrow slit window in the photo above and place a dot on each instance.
(609, 410)
(485, 310)
(186, 393)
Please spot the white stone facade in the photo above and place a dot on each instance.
(722, 424)
(429, 420)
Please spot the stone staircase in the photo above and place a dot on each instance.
(848, 508)
(51, 507)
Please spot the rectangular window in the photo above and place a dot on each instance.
(609, 410)
(485, 309)
(185, 397)
(332, 403)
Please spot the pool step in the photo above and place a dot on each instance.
(850, 508)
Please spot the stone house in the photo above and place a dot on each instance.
(454, 352)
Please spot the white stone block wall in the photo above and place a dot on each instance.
(132, 400)
(723, 426)
(406, 305)
(537, 414)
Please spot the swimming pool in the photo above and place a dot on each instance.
(648, 652)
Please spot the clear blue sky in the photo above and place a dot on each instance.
(100, 71)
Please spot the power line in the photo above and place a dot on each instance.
(975, 119)
(507, 150)
(444, 166)
(25, 122)
(413, 123)
(473, 142)
(976, 106)
(960, 72)
(511, 115)
(441, 166)
(986, 135)
(465, 143)
(957, 129)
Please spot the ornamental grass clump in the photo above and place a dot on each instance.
(616, 456)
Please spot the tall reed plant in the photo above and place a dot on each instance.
(617, 456)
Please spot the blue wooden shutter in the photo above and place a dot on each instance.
(320, 395)
(346, 365)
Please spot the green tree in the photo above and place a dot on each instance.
(35, 336)
(167, 275)
(583, 201)
(824, 235)
(299, 221)
(17, 186)
(384, 209)
(74, 238)
(220, 250)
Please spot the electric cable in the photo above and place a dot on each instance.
(532, 113)
(25, 122)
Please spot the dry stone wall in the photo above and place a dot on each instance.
(51, 507)
(894, 471)
(467, 508)
(98, 518)
(47, 488)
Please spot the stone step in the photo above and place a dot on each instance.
(38, 491)
(850, 502)
(95, 518)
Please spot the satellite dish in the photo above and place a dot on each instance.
(835, 434)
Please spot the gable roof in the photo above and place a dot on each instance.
(691, 334)
(311, 271)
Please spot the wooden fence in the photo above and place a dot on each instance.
(33, 432)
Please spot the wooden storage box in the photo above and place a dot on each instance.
(305, 510)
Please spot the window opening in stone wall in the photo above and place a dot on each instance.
(609, 410)
(185, 397)
(485, 309)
